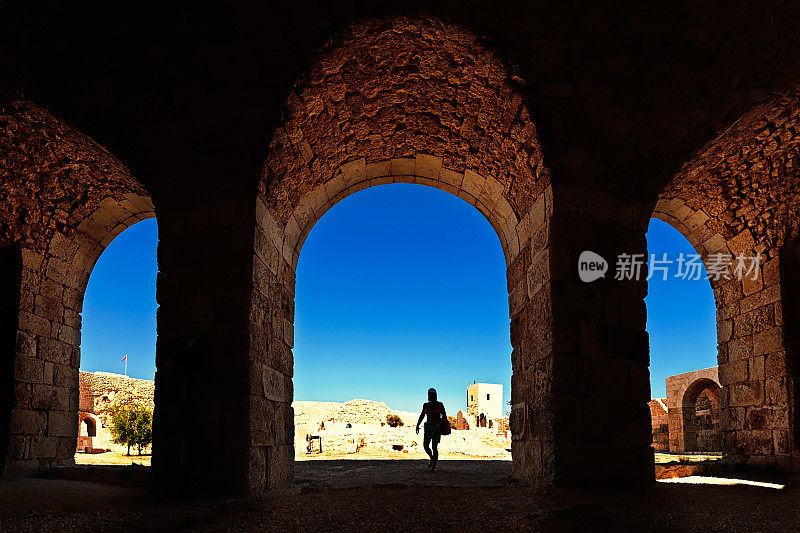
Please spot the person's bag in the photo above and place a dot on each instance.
(445, 426)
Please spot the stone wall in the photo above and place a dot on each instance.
(421, 101)
(659, 420)
(99, 392)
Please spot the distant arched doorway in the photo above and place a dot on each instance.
(89, 427)
(701, 432)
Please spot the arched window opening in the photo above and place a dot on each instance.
(681, 322)
(701, 432)
(117, 363)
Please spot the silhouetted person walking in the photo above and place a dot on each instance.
(434, 410)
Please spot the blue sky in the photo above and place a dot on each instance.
(399, 288)
(681, 315)
(119, 309)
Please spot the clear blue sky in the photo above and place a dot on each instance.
(681, 315)
(119, 309)
(399, 288)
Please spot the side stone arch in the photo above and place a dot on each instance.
(740, 195)
(69, 200)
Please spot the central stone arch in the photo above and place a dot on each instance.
(413, 101)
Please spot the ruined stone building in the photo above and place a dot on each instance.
(98, 392)
(238, 128)
(688, 419)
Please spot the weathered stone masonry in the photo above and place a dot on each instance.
(422, 101)
(739, 195)
(65, 199)
(99, 392)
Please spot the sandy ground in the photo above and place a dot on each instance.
(406, 500)
(382, 443)
(686, 458)
(111, 458)
(369, 437)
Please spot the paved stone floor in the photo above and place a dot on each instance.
(352, 495)
(342, 473)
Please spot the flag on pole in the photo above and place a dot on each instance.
(125, 359)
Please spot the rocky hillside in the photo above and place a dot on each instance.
(356, 411)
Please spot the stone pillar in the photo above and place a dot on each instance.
(223, 419)
(201, 424)
(755, 371)
(10, 280)
(782, 369)
(580, 359)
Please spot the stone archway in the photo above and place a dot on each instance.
(72, 199)
(90, 426)
(414, 101)
(700, 416)
(87, 431)
(739, 196)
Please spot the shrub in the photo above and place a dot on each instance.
(393, 420)
(132, 425)
(453, 421)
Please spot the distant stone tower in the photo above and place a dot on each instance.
(484, 399)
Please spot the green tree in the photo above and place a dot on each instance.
(132, 425)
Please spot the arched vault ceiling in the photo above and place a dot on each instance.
(397, 88)
(622, 94)
(748, 178)
(51, 175)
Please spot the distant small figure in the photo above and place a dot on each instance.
(322, 426)
(437, 416)
(349, 425)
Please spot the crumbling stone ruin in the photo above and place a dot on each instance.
(568, 133)
(461, 422)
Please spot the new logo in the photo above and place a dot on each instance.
(591, 266)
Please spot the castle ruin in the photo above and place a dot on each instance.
(688, 419)
(99, 392)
